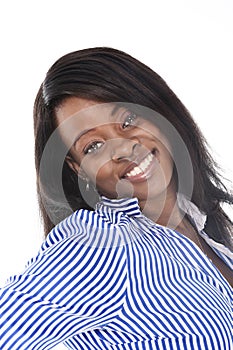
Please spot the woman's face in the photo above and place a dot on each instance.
(121, 153)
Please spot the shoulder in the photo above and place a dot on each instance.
(86, 227)
(220, 249)
(81, 235)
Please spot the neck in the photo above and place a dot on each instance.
(163, 209)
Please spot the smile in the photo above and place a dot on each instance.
(142, 170)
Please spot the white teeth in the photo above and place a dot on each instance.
(141, 167)
(136, 170)
(133, 172)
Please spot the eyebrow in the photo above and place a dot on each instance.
(115, 109)
(86, 131)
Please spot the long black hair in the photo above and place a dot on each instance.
(108, 75)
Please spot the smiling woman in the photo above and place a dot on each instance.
(112, 147)
(138, 252)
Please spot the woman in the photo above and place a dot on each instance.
(144, 259)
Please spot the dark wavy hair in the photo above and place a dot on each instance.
(109, 75)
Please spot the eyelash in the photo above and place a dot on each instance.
(90, 148)
(131, 117)
(129, 120)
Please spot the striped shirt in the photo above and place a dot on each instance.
(113, 279)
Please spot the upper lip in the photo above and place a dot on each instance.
(132, 164)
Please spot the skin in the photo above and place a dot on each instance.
(106, 148)
(111, 146)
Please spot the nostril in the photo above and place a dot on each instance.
(134, 146)
(124, 150)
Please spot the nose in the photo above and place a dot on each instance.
(124, 149)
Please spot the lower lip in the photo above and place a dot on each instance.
(144, 175)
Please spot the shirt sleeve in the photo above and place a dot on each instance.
(75, 284)
(221, 250)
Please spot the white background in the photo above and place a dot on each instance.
(189, 43)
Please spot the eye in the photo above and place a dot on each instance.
(129, 120)
(93, 147)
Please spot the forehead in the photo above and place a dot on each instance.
(76, 115)
(85, 110)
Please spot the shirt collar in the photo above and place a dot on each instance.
(129, 206)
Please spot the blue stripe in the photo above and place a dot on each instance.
(112, 279)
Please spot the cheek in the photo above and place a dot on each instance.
(104, 181)
(100, 172)
(167, 166)
(108, 183)
(95, 166)
(103, 174)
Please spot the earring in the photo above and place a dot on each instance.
(87, 185)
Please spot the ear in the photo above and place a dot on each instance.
(75, 167)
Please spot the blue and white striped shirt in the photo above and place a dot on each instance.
(113, 279)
